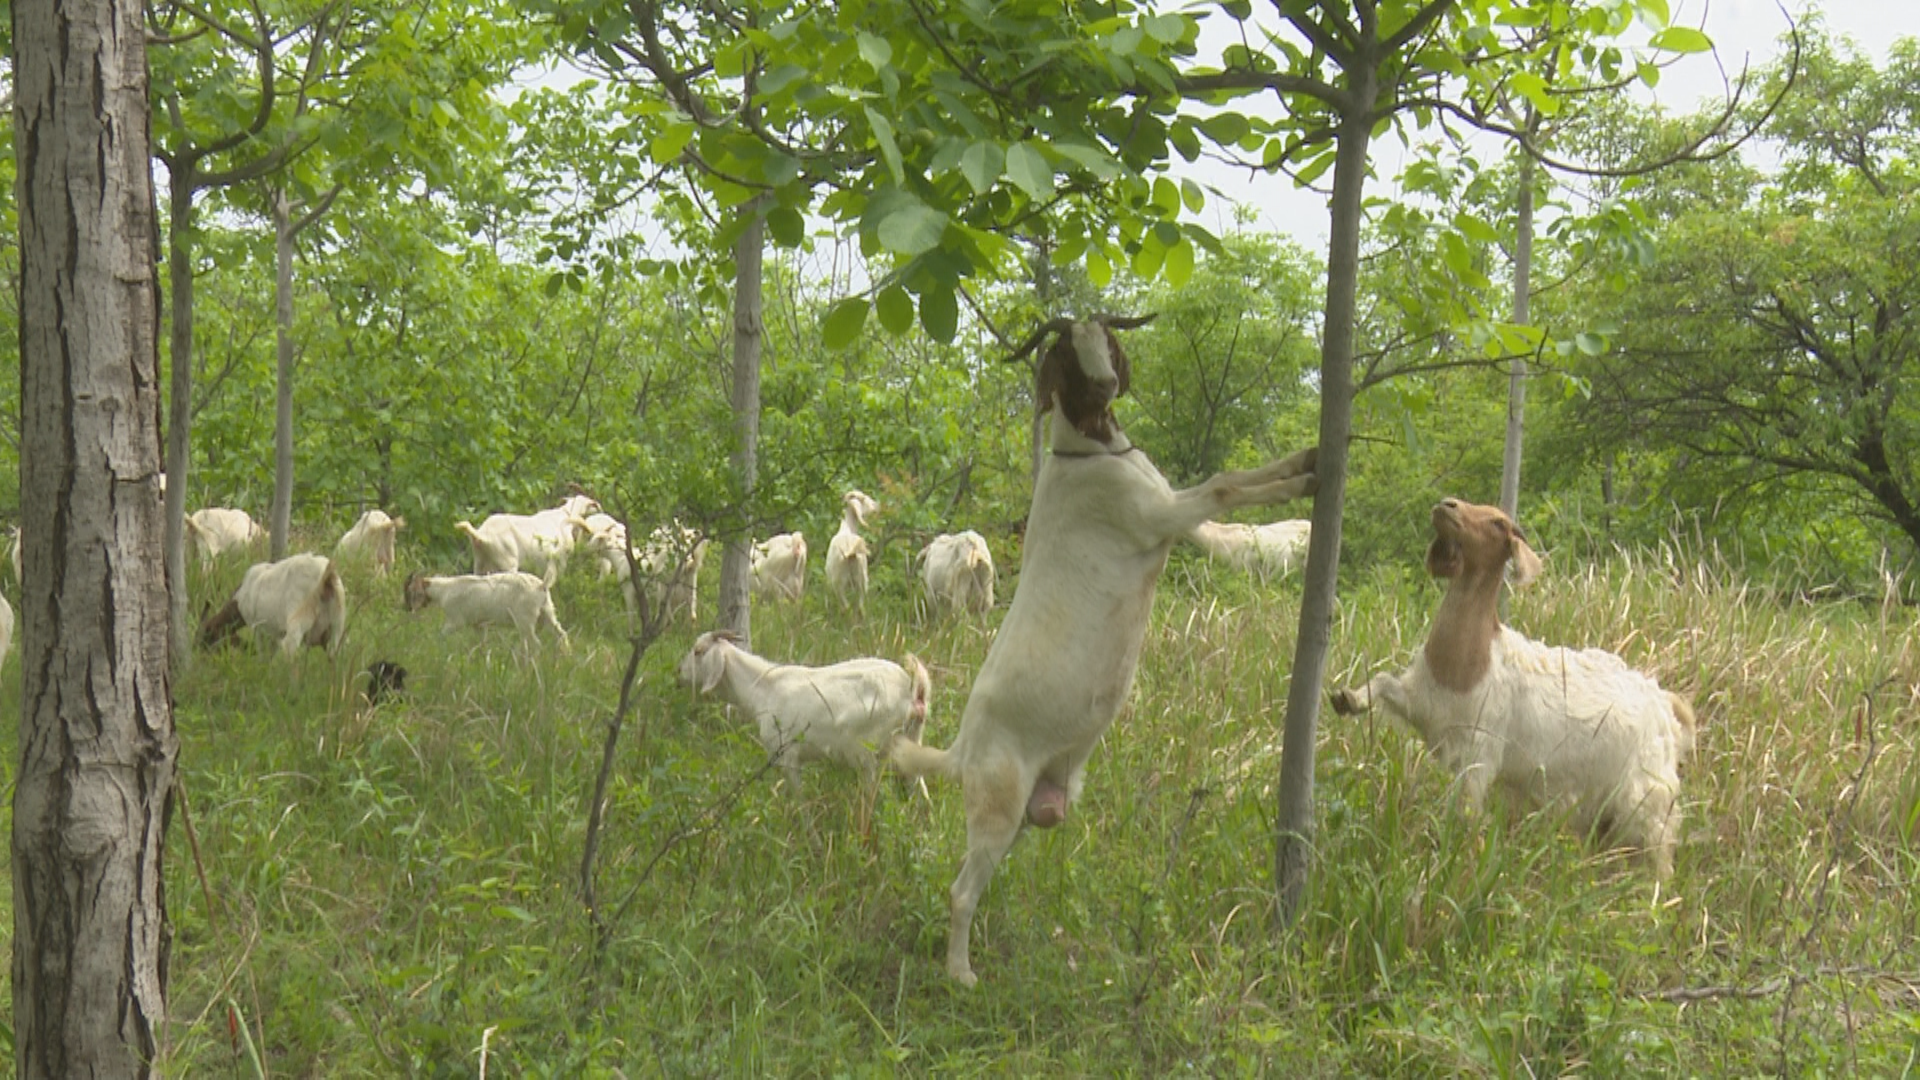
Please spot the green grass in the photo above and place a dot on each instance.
(390, 892)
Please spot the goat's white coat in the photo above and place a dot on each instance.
(1267, 551)
(957, 570)
(1550, 724)
(1060, 669)
(780, 566)
(373, 537)
(530, 542)
(508, 598)
(844, 712)
(669, 569)
(6, 628)
(299, 600)
(847, 553)
(217, 530)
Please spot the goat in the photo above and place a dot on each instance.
(6, 628)
(847, 554)
(669, 567)
(219, 529)
(1266, 551)
(385, 679)
(508, 598)
(1060, 669)
(300, 599)
(957, 569)
(372, 536)
(844, 712)
(1549, 724)
(530, 542)
(780, 566)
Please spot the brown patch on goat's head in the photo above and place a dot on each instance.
(1083, 372)
(413, 594)
(222, 626)
(1470, 538)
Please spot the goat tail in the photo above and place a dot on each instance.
(922, 696)
(1688, 724)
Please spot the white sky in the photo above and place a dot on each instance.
(1745, 32)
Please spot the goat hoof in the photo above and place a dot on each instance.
(1344, 703)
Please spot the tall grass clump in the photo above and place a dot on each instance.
(396, 890)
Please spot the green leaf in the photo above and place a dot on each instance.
(1027, 168)
(876, 51)
(940, 312)
(1681, 39)
(1193, 196)
(1591, 344)
(1178, 269)
(889, 149)
(913, 229)
(1534, 89)
(1166, 29)
(843, 323)
(1475, 228)
(666, 146)
(787, 226)
(1166, 196)
(981, 165)
(895, 308)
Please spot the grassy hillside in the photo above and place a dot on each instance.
(397, 892)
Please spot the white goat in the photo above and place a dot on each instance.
(218, 530)
(843, 712)
(847, 554)
(606, 541)
(530, 542)
(6, 628)
(669, 567)
(508, 598)
(780, 566)
(957, 569)
(1267, 551)
(1548, 724)
(299, 599)
(1060, 669)
(372, 537)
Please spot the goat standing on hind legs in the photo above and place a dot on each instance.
(1059, 670)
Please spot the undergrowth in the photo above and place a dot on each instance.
(397, 890)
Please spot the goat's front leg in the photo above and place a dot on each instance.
(1383, 690)
(1275, 482)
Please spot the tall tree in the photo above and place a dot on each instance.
(97, 745)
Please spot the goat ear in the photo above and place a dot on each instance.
(1121, 368)
(1525, 564)
(1443, 558)
(712, 668)
(1046, 382)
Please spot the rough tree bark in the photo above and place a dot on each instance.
(1294, 821)
(281, 516)
(97, 745)
(736, 600)
(1517, 377)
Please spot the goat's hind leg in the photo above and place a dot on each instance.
(996, 805)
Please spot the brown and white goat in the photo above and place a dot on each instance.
(1060, 668)
(299, 599)
(1552, 725)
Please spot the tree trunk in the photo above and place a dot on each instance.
(1517, 377)
(281, 517)
(97, 745)
(180, 227)
(736, 599)
(1294, 821)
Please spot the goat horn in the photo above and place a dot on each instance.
(1125, 322)
(1052, 326)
